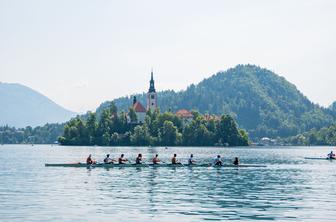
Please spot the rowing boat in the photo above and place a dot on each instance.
(144, 165)
(319, 158)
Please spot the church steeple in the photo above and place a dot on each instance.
(151, 95)
(151, 84)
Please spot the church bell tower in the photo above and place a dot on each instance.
(151, 95)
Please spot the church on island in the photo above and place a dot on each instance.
(152, 105)
(139, 109)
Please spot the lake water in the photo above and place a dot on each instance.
(290, 188)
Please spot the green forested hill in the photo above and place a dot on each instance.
(262, 102)
(325, 136)
(333, 107)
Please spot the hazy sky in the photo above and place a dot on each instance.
(81, 53)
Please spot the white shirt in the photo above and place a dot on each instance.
(216, 160)
(107, 160)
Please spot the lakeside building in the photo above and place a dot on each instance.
(265, 141)
(185, 115)
(209, 117)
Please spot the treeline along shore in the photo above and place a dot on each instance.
(158, 129)
(46, 134)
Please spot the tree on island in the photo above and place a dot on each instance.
(158, 129)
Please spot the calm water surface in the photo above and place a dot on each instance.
(290, 188)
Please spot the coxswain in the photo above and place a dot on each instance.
(191, 159)
(108, 160)
(236, 161)
(138, 160)
(122, 160)
(89, 160)
(218, 161)
(156, 159)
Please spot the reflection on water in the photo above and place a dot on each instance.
(289, 189)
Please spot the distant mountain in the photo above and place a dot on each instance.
(262, 102)
(21, 106)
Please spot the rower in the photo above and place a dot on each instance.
(122, 160)
(156, 159)
(191, 159)
(174, 160)
(108, 160)
(138, 160)
(218, 161)
(89, 160)
(236, 161)
(331, 155)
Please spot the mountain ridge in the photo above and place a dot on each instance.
(22, 106)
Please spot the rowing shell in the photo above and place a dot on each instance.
(143, 165)
(318, 158)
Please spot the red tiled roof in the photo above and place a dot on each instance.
(183, 113)
(208, 117)
(138, 107)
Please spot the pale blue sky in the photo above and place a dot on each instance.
(81, 53)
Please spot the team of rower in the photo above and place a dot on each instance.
(139, 160)
(217, 160)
